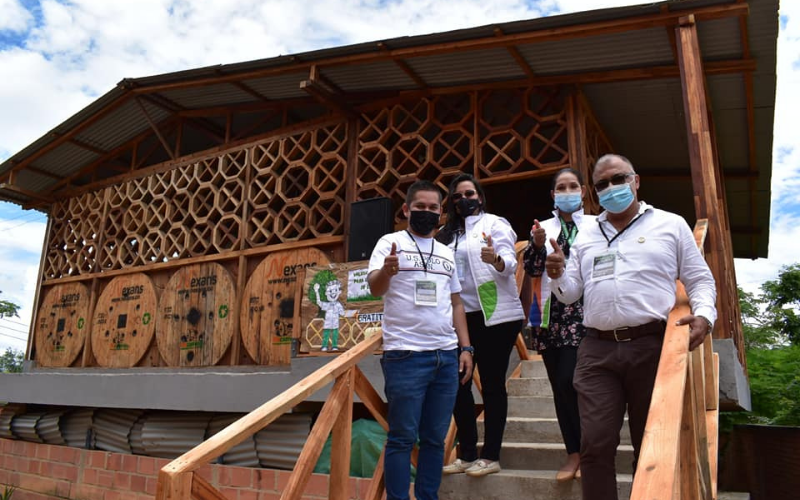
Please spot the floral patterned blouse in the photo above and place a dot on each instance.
(566, 320)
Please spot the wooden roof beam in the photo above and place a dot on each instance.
(66, 137)
(174, 108)
(324, 94)
(153, 126)
(4, 186)
(111, 154)
(514, 51)
(404, 67)
(566, 32)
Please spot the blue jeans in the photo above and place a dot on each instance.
(421, 390)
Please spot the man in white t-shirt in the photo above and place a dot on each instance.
(423, 326)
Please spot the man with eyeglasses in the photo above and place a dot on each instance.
(625, 266)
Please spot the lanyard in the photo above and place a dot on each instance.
(458, 235)
(424, 264)
(619, 233)
(569, 235)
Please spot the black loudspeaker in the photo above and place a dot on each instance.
(369, 220)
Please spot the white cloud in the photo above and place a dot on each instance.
(13, 16)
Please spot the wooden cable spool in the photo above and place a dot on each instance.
(267, 311)
(61, 324)
(195, 323)
(124, 321)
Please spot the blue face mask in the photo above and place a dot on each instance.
(616, 199)
(568, 202)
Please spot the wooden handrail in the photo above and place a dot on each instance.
(678, 459)
(177, 481)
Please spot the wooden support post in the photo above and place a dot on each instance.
(39, 281)
(316, 439)
(449, 443)
(690, 482)
(712, 425)
(174, 486)
(376, 486)
(370, 398)
(698, 390)
(701, 158)
(202, 490)
(339, 488)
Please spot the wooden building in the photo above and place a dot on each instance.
(216, 170)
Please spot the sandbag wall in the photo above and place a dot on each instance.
(201, 314)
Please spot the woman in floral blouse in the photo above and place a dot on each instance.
(558, 328)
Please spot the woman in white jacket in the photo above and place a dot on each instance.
(558, 328)
(486, 263)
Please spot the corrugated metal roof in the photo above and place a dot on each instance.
(169, 435)
(280, 443)
(648, 47)
(137, 445)
(48, 427)
(112, 429)
(6, 416)
(373, 76)
(76, 427)
(24, 426)
(208, 96)
(467, 67)
(243, 454)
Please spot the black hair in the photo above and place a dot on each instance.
(566, 170)
(421, 185)
(454, 219)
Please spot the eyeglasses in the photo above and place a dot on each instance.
(615, 180)
(469, 193)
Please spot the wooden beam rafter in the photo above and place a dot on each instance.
(326, 95)
(514, 51)
(153, 126)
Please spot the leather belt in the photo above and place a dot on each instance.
(628, 333)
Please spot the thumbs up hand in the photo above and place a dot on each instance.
(538, 234)
(555, 262)
(391, 263)
(487, 252)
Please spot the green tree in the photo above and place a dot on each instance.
(8, 309)
(772, 343)
(11, 361)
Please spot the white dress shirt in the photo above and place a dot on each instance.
(635, 283)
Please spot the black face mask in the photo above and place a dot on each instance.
(467, 206)
(423, 222)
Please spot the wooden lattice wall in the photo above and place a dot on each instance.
(293, 189)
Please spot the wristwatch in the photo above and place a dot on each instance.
(468, 349)
(708, 322)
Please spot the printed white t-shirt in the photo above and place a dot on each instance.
(414, 319)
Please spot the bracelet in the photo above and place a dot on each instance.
(468, 349)
(708, 322)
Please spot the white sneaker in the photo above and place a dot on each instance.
(456, 467)
(483, 467)
(334, 348)
(324, 349)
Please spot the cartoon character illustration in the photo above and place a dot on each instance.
(325, 291)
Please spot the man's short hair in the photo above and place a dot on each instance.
(611, 156)
(422, 185)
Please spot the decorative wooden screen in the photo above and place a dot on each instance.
(505, 133)
(292, 187)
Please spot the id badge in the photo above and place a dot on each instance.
(425, 293)
(604, 266)
(461, 267)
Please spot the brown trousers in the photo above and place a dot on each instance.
(610, 378)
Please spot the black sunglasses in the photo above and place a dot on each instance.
(615, 180)
(469, 193)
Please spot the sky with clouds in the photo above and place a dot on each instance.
(56, 57)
